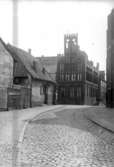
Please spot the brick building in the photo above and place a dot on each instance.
(23, 81)
(110, 61)
(77, 77)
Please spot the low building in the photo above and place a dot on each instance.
(77, 77)
(27, 83)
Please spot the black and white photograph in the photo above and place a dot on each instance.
(56, 83)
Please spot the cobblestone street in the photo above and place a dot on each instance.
(66, 139)
(11, 125)
(6, 142)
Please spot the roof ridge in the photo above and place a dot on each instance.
(28, 61)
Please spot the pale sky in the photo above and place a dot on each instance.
(6, 20)
(42, 25)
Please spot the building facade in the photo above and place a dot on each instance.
(102, 88)
(77, 77)
(110, 61)
(24, 82)
(6, 75)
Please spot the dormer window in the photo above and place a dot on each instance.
(43, 70)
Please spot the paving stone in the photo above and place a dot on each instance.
(58, 143)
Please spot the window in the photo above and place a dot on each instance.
(79, 66)
(62, 90)
(71, 92)
(43, 70)
(79, 92)
(78, 77)
(66, 45)
(62, 76)
(66, 76)
(61, 67)
(72, 77)
(90, 91)
(74, 40)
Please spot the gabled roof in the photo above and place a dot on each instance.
(33, 67)
(50, 64)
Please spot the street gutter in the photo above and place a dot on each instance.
(100, 122)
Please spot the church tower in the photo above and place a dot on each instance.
(70, 44)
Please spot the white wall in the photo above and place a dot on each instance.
(37, 98)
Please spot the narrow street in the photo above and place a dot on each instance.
(54, 136)
(65, 138)
(11, 126)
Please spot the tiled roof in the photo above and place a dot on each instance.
(33, 67)
(50, 64)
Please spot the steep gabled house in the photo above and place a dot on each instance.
(31, 74)
(31, 83)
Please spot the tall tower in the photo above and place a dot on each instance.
(110, 61)
(70, 44)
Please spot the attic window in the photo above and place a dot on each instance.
(43, 70)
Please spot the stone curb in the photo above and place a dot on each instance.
(21, 136)
(100, 121)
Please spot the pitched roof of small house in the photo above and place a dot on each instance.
(50, 64)
(34, 68)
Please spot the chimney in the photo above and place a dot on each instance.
(91, 63)
(29, 51)
(97, 66)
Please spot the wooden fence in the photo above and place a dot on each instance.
(16, 97)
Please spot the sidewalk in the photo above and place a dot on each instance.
(10, 120)
(102, 116)
(11, 126)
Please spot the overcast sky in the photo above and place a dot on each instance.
(42, 25)
(6, 20)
